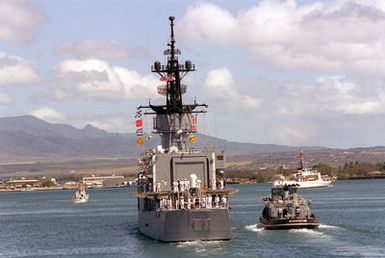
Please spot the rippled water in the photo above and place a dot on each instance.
(352, 217)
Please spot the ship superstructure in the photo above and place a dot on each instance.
(181, 191)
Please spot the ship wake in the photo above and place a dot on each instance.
(254, 228)
(307, 231)
(328, 226)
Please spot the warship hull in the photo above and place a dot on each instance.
(186, 225)
(288, 223)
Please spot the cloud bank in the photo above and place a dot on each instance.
(20, 21)
(99, 49)
(48, 114)
(95, 78)
(15, 70)
(338, 35)
(327, 58)
(328, 95)
(219, 84)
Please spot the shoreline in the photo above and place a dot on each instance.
(245, 182)
(363, 178)
(43, 189)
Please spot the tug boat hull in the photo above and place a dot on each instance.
(80, 200)
(287, 223)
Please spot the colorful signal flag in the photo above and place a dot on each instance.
(139, 132)
(192, 138)
(194, 122)
(140, 141)
(139, 123)
(138, 114)
(167, 78)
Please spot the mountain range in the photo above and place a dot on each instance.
(27, 137)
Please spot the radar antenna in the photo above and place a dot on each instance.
(174, 120)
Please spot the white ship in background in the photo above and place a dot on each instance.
(306, 177)
(80, 196)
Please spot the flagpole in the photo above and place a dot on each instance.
(143, 128)
(204, 130)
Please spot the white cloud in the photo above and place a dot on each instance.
(95, 78)
(99, 49)
(341, 95)
(328, 95)
(291, 134)
(330, 111)
(344, 35)
(340, 102)
(325, 95)
(19, 21)
(5, 99)
(110, 123)
(15, 70)
(220, 84)
(110, 120)
(48, 114)
(208, 21)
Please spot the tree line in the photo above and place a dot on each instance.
(350, 170)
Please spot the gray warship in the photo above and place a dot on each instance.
(286, 209)
(181, 191)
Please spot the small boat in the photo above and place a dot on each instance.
(80, 196)
(286, 209)
(306, 177)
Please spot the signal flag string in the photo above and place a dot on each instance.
(139, 127)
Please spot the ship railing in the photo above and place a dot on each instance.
(189, 203)
(169, 200)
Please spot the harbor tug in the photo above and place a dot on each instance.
(286, 209)
(181, 191)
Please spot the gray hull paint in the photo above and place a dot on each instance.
(186, 225)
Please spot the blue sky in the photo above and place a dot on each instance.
(284, 72)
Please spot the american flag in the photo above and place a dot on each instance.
(166, 78)
(194, 122)
(139, 132)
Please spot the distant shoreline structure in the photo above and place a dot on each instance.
(364, 178)
(43, 189)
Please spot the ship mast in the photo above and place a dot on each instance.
(174, 120)
(301, 160)
(174, 94)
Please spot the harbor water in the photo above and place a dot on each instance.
(48, 224)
